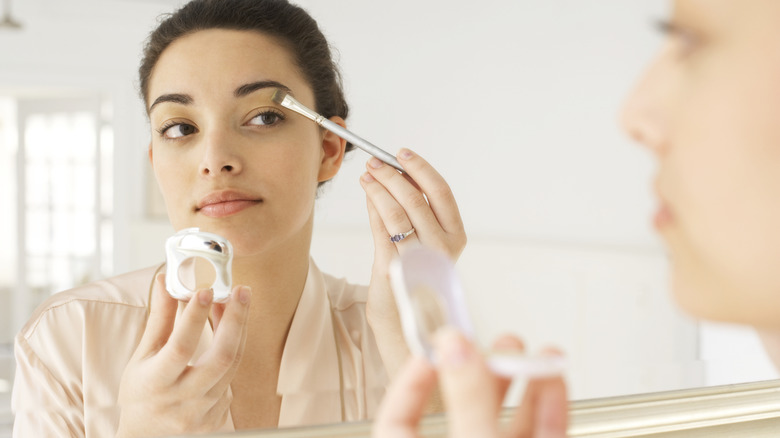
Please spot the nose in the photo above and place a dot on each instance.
(645, 113)
(221, 155)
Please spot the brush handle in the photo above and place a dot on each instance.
(361, 143)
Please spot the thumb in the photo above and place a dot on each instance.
(552, 410)
(469, 388)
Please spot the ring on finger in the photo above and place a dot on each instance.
(401, 236)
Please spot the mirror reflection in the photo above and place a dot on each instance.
(512, 105)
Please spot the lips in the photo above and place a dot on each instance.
(663, 216)
(226, 202)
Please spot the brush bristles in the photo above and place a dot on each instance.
(279, 96)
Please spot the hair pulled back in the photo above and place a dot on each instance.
(289, 23)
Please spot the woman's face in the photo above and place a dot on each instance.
(709, 109)
(227, 159)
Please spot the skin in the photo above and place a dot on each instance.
(240, 166)
(472, 393)
(708, 108)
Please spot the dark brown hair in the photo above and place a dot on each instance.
(280, 19)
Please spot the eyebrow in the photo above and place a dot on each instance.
(247, 89)
(242, 91)
(183, 99)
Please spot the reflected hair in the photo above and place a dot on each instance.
(292, 26)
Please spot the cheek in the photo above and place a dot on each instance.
(169, 174)
(725, 168)
(295, 164)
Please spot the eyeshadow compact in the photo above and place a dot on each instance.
(429, 296)
(191, 243)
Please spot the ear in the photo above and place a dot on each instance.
(333, 149)
(151, 161)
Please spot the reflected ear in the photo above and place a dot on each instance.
(333, 149)
(151, 160)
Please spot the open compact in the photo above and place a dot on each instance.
(191, 243)
(429, 296)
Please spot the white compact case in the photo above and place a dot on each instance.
(191, 243)
(429, 296)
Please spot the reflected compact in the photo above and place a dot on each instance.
(429, 296)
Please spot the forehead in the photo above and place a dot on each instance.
(219, 60)
(745, 12)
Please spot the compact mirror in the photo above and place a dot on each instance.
(429, 296)
(191, 243)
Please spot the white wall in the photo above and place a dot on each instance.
(515, 102)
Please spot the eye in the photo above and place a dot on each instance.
(266, 118)
(685, 40)
(177, 130)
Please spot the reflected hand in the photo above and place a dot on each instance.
(472, 395)
(420, 199)
(160, 392)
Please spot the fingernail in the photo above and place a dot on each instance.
(244, 294)
(376, 163)
(367, 177)
(405, 154)
(205, 296)
(452, 349)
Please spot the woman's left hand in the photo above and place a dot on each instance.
(421, 200)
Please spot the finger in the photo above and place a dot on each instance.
(377, 225)
(224, 354)
(218, 309)
(162, 314)
(439, 193)
(177, 353)
(543, 412)
(410, 198)
(218, 414)
(552, 415)
(384, 248)
(392, 214)
(404, 404)
(510, 344)
(469, 388)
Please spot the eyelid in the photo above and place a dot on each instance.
(168, 124)
(268, 110)
(172, 123)
(666, 26)
(671, 29)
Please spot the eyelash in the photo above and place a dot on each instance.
(688, 39)
(166, 126)
(265, 112)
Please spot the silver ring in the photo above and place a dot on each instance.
(401, 236)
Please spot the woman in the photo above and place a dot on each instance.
(292, 346)
(708, 108)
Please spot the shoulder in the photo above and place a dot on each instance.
(126, 292)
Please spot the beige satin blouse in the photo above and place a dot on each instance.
(71, 355)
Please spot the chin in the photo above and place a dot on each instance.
(714, 298)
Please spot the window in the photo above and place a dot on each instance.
(56, 179)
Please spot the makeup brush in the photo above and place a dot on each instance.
(284, 99)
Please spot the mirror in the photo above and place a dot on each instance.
(514, 102)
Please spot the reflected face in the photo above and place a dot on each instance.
(709, 110)
(227, 159)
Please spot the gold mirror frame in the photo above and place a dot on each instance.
(746, 409)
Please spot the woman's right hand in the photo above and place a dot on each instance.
(472, 394)
(161, 393)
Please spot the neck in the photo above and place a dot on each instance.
(771, 340)
(276, 275)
